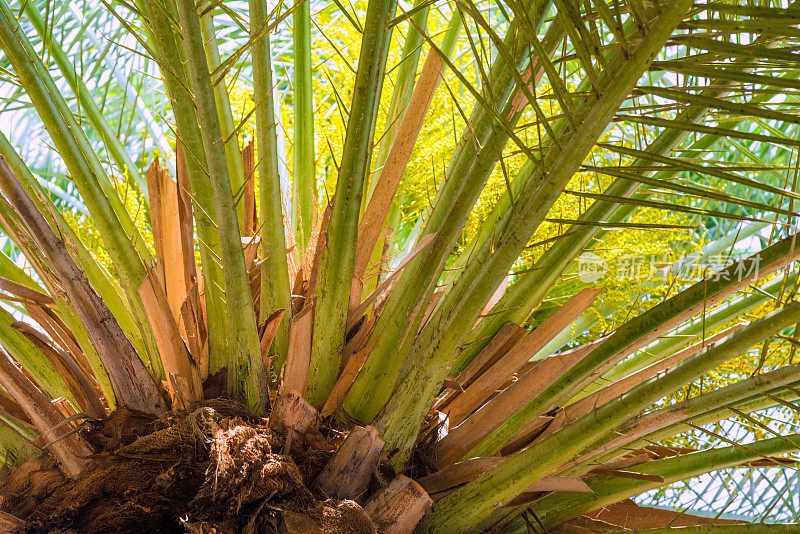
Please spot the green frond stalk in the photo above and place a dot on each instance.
(689, 332)
(12, 226)
(337, 264)
(275, 288)
(13, 272)
(453, 321)
(154, 127)
(127, 167)
(381, 214)
(527, 293)
(233, 156)
(246, 377)
(685, 333)
(754, 393)
(125, 245)
(14, 447)
(557, 508)
(750, 403)
(635, 333)
(26, 354)
(82, 162)
(398, 104)
(168, 50)
(133, 386)
(97, 276)
(476, 154)
(475, 500)
(404, 84)
(304, 177)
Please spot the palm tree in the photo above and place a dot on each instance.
(447, 398)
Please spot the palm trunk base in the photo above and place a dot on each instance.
(218, 469)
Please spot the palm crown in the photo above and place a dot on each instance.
(450, 319)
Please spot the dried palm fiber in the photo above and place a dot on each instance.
(217, 467)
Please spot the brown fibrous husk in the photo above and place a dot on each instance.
(217, 469)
